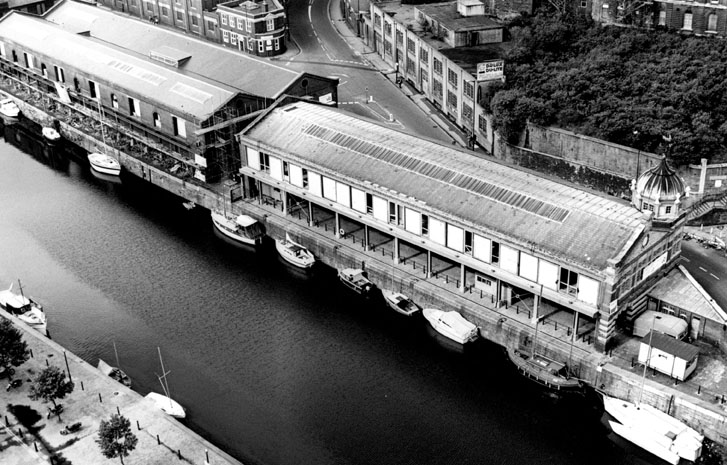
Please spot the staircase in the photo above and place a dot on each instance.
(708, 203)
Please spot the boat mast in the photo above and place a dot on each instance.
(165, 383)
(117, 356)
(646, 363)
(100, 120)
(537, 320)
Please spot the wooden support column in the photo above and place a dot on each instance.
(367, 247)
(575, 327)
(338, 227)
(310, 214)
(536, 305)
(429, 264)
(396, 250)
(285, 203)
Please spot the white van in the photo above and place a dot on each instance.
(661, 322)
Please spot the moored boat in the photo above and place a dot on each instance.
(8, 108)
(355, 279)
(294, 253)
(167, 405)
(105, 164)
(653, 430)
(114, 372)
(543, 370)
(451, 324)
(50, 134)
(400, 303)
(243, 228)
(25, 309)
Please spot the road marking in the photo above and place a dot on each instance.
(714, 276)
(703, 269)
(309, 15)
(686, 259)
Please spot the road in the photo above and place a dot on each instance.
(709, 268)
(363, 89)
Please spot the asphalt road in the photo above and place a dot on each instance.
(709, 268)
(362, 90)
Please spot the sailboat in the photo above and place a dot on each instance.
(102, 162)
(164, 401)
(114, 372)
(651, 429)
(243, 228)
(24, 308)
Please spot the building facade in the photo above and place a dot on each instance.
(438, 48)
(501, 232)
(264, 36)
(256, 28)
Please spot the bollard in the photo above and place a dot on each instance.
(117, 410)
(632, 362)
(46, 363)
(207, 456)
(137, 425)
(99, 398)
(699, 389)
(35, 445)
(82, 389)
(7, 423)
(31, 353)
(158, 441)
(179, 454)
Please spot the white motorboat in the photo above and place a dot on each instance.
(294, 253)
(653, 430)
(451, 324)
(356, 279)
(163, 401)
(167, 405)
(50, 134)
(242, 229)
(9, 108)
(25, 309)
(400, 303)
(105, 164)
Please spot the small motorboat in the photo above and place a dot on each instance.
(9, 109)
(243, 229)
(105, 164)
(294, 253)
(548, 372)
(25, 309)
(167, 405)
(114, 373)
(451, 324)
(653, 430)
(51, 134)
(400, 303)
(355, 278)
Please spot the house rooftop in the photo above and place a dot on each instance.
(253, 7)
(447, 15)
(679, 289)
(243, 72)
(490, 198)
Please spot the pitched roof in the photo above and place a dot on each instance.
(243, 72)
(670, 345)
(679, 289)
(187, 95)
(487, 197)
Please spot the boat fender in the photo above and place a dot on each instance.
(341, 232)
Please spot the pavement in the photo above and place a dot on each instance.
(34, 438)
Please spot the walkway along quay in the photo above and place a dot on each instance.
(161, 439)
(504, 323)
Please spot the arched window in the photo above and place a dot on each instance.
(712, 22)
(687, 26)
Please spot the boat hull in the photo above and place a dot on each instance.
(541, 375)
(219, 222)
(51, 135)
(451, 325)
(354, 280)
(167, 405)
(644, 442)
(295, 254)
(104, 164)
(393, 299)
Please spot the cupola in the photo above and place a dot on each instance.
(659, 190)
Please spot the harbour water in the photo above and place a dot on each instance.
(274, 365)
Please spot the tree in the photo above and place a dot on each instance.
(13, 349)
(115, 437)
(49, 385)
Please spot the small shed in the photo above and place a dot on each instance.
(670, 356)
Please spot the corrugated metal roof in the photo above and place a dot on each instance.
(150, 80)
(670, 345)
(491, 198)
(243, 72)
(679, 289)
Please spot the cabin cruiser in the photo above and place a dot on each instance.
(451, 324)
(114, 373)
(242, 229)
(9, 108)
(25, 309)
(356, 280)
(294, 253)
(400, 303)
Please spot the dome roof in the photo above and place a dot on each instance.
(660, 183)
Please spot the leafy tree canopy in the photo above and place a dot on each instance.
(49, 385)
(115, 437)
(624, 85)
(13, 349)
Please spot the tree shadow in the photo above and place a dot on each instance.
(28, 417)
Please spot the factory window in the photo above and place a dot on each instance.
(194, 20)
(92, 89)
(452, 77)
(165, 11)
(150, 7)
(2, 49)
(495, 255)
(60, 74)
(179, 127)
(568, 282)
(425, 225)
(180, 16)
(134, 107)
(712, 22)
(114, 102)
(687, 22)
(424, 54)
(157, 120)
(44, 70)
(305, 178)
(469, 89)
(437, 66)
(265, 163)
(411, 45)
(369, 204)
(482, 123)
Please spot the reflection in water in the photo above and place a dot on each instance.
(273, 365)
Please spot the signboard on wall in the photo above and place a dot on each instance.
(489, 70)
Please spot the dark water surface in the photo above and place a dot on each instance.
(273, 365)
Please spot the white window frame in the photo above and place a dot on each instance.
(270, 24)
(180, 125)
(253, 158)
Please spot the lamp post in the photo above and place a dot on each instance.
(638, 155)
